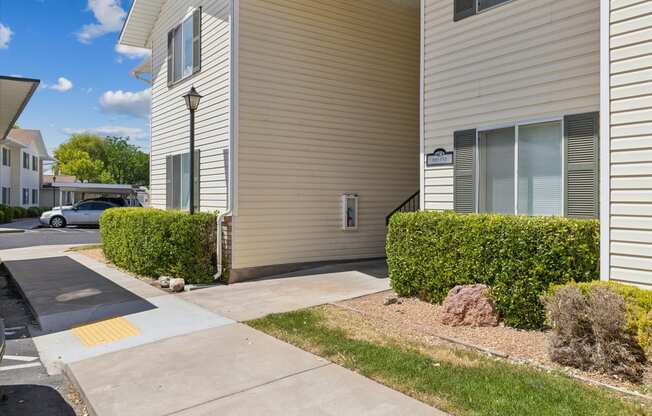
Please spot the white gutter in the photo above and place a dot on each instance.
(233, 133)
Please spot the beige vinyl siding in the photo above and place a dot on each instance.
(328, 105)
(170, 118)
(521, 60)
(631, 141)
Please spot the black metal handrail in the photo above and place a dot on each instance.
(412, 204)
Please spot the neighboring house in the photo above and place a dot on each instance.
(26, 166)
(308, 106)
(308, 129)
(15, 93)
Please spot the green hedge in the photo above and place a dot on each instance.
(429, 253)
(152, 242)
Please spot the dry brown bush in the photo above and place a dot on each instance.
(590, 332)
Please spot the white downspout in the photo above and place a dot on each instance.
(233, 120)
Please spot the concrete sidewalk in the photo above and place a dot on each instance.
(230, 370)
(187, 357)
(255, 299)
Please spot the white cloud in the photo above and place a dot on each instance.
(62, 85)
(133, 133)
(132, 52)
(135, 104)
(109, 16)
(5, 36)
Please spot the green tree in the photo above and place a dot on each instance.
(91, 144)
(126, 162)
(105, 160)
(79, 164)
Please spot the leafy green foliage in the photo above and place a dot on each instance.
(460, 382)
(152, 242)
(2, 217)
(104, 160)
(429, 253)
(79, 164)
(8, 212)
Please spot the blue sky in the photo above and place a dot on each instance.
(70, 45)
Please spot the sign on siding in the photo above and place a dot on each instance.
(439, 157)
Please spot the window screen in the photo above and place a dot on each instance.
(540, 181)
(184, 48)
(497, 171)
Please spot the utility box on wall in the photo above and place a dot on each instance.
(350, 211)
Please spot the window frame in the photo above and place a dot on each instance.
(26, 158)
(34, 163)
(6, 192)
(6, 157)
(516, 125)
(457, 16)
(35, 197)
(25, 197)
(178, 28)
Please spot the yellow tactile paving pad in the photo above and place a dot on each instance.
(104, 332)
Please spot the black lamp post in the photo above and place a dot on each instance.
(192, 102)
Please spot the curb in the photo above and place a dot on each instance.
(68, 374)
(11, 231)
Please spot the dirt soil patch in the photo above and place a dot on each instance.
(420, 321)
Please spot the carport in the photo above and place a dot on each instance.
(93, 190)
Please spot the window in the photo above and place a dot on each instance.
(467, 8)
(184, 48)
(497, 170)
(6, 157)
(540, 179)
(25, 196)
(349, 211)
(521, 169)
(25, 160)
(178, 181)
(35, 197)
(6, 195)
(34, 163)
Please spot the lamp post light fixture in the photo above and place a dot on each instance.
(192, 103)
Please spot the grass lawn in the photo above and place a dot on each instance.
(457, 381)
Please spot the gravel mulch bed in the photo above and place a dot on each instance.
(420, 321)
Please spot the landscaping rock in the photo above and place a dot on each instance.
(390, 301)
(164, 281)
(469, 305)
(177, 285)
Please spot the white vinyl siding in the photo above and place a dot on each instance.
(524, 60)
(630, 176)
(328, 106)
(170, 118)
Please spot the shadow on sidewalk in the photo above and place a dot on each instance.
(33, 400)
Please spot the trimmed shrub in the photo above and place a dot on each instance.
(34, 212)
(2, 217)
(152, 242)
(596, 328)
(19, 212)
(519, 258)
(8, 213)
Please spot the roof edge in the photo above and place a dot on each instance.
(35, 84)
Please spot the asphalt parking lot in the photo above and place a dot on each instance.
(25, 386)
(50, 236)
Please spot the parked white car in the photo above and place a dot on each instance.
(83, 213)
